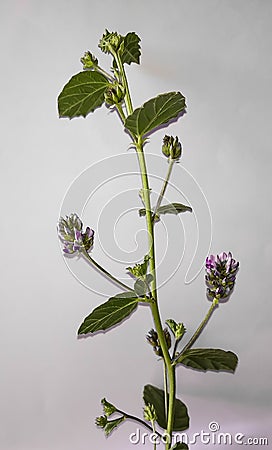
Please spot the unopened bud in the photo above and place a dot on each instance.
(101, 421)
(89, 61)
(108, 408)
(171, 147)
(114, 94)
(110, 42)
(150, 413)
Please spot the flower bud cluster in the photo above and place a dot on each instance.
(153, 339)
(171, 147)
(71, 234)
(150, 413)
(108, 408)
(89, 61)
(221, 271)
(110, 42)
(114, 94)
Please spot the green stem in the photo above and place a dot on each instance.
(171, 405)
(105, 272)
(121, 69)
(106, 74)
(170, 167)
(165, 389)
(154, 303)
(138, 141)
(199, 329)
(121, 112)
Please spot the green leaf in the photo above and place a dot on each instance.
(110, 313)
(112, 424)
(155, 112)
(173, 208)
(155, 396)
(180, 446)
(170, 208)
(140, 287)
(131, 49)
(209, 359)
(82, 94)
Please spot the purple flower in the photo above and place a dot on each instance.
(221, 271)
(71, 235)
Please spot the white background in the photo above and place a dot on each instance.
(218, 53)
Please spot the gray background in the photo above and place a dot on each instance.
(218, 53)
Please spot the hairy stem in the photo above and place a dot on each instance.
(199, 329)
(121, 69)
(105, 272)
(106, 74)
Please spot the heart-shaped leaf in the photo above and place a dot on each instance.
(155, 396)
(155, 112)
(110, 313)
(82, 94)
(131, 49)
(209, 359)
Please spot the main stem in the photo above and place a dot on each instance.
(152, 262)
(154, 304)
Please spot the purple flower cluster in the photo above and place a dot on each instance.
(221, 271)
(71, 235)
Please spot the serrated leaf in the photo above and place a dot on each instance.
(110, 313)
(112, 424)
(131, 49)
(180, 446)
(155, 112)
(173, 208)
(209, 359)
(155, 396)
(82, 94)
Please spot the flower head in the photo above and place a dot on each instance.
(153, 339)
(71, 235)
(221, 271)
(110, 42)
(171, 147)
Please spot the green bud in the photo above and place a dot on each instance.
(171, 147)
(108, 408)
(178, 329)
(89, 61)
(139, 270)
(150, 413)
(101, 421)
(114, 94)
(110, 42)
